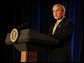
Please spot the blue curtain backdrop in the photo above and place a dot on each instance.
(75, 13)
(39, 15)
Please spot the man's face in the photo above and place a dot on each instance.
(57, 12)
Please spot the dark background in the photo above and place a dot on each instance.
(38, 13)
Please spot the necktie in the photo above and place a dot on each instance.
(55, 27)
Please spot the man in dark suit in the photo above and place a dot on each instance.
(61, 30)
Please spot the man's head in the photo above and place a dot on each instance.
(58, 11)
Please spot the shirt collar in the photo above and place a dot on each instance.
(60, 19)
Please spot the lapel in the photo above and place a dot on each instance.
(59, 25)
(62, 23)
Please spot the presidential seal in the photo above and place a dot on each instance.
(14, 35)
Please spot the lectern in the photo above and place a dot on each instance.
(32, 44)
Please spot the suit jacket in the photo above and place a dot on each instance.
(63, 32)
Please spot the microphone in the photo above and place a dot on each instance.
(24, 26)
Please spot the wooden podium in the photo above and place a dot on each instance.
(33, 45)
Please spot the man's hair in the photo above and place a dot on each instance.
(61, 6)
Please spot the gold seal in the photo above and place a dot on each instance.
(14, 35)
